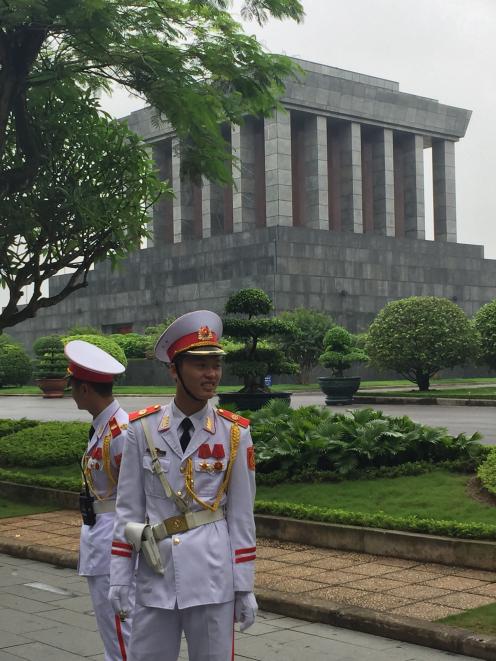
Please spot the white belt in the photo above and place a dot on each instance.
(184, 522)
(103, 506)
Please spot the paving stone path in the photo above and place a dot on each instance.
(390, 585)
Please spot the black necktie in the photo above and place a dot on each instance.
(91, 431)
(186, 426)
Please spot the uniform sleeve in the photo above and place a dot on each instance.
(130, 506)
(239, 514)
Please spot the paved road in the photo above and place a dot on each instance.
(45, 615)
(456, 418)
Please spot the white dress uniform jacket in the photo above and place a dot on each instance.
(95, 541)
(207, 564)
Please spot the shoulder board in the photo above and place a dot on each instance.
(115, 430)
(234, 417)
(136, 415)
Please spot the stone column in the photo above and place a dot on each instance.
(206, 209)
(278, 169)
(413, 171)
(316, 176)
(444, 190)
(383, 182)
(161, 225)
(185, 205)
(244, 210)
(351, 179)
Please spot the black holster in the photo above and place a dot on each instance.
(86, 508)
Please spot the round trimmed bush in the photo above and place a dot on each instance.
(134, 345)
(47, 444)
(487, 472)
(15, 365)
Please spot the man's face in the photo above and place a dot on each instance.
(200, 374)
(79, 393)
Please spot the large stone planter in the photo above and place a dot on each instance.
(251, 401)
(339, 389)
(52, 388)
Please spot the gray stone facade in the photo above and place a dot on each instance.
(327, 211)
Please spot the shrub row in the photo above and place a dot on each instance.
(46, 444)
(12, 426)
(487, 472)
(379, 520)
(50, 481)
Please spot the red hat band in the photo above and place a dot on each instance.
(84, 374)
(201, 338)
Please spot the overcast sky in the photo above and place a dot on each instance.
(442, 49)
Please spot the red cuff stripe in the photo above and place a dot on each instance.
(121, 545)
(252, 549)
(124, 554)
(245, 558)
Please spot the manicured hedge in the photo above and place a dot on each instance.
(487, 472)
(47, 444)
(379, 520)
(50, 481)
(12, 426)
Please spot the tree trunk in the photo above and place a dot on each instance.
(423, 381)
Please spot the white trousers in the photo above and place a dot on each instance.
(114, 633)
(209, 632)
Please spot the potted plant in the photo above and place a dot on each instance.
(50, 366)
(254, 357)
(340, 351)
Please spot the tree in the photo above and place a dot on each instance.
(340, 351)
(485, 323)
(256, 358)
(88, 202)
(306, 345)
(188, 58)
(420, 335)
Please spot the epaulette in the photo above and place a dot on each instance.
(115, 430)
(234, 417)
(136, 415)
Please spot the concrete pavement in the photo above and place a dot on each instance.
(45, 615)
(456, 419)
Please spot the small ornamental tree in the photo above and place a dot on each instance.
(340, 351)
(305, 346)
(50, 361)
(485, 324)
(420, 335)
(256, 357)
(15, 364)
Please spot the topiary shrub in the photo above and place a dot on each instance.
(50, 361)
(253, 361)
(487, 472)
(15, 365)
(340, 351)
(485, 323)
(12, 426)
(103, 342)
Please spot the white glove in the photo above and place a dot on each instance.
(245, 609)
(119, 598)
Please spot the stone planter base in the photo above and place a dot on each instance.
(339, 389)
(52, 387)
(251, 401)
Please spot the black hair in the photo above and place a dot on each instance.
(102, 389)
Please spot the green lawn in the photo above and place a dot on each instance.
(11, 508)
(480, 620)
(483, 392)
(436, 495)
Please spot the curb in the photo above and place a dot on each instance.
(425, 401)
(407, 629)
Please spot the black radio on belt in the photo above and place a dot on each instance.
(86, 507)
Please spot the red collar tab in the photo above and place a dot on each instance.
(203, 337)
(115, 430)
(136, 415)
(234, 417)
(84, 374)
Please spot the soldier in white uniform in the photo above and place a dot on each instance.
(188, 471)
(91, 372)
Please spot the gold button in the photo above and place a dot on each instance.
(176, 540)
(182, 469)
(179, 493)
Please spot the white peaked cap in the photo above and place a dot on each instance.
(90, 363)
(196, 333)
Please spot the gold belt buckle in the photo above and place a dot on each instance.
(175, 524)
